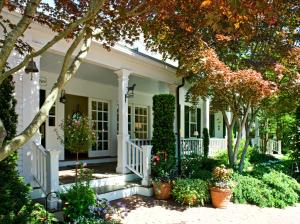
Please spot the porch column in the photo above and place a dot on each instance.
(206, 106)
(257, 139)
(123, 135)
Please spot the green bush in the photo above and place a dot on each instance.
(79, 197)
(195, 166)
(205, 142)
(92, 220)
(14, 193)
(257, 157)
(271, 189)
(39, 215)
(163, 140)
(191, 191)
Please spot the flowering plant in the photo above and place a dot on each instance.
(163, 167)
(222, 177)
(78, 136)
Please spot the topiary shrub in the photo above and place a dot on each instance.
(163, 139)
(205, 142)
(14, 193)
(191, 191)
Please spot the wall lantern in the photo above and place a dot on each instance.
(62, 97)
(31, 68)
(130, 91)
(196, 134)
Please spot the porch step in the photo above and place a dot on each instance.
(125, 181)
(114, 192)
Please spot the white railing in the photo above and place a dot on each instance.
(273, 146)
(45, 167)
(141, 142)
(39, 160)
(139, 160)
(217, 145)
(190, 146)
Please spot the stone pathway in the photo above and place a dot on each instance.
(144, 210)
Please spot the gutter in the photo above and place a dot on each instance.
(178, 125)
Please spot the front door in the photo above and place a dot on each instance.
(99, 115)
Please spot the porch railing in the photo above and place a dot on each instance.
(217, 145)
(141, 142)
(45, 167)
(139, 160)
(190, 146)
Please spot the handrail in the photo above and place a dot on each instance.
(39, 171)
(138, 160)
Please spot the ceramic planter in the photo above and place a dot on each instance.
(220, 197)
(162, 190)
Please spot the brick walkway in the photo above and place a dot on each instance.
(143, 210)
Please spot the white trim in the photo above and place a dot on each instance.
(63, 163)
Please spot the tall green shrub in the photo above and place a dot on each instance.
(14, 194)
(296, 138)
(205, 142)
(163, 140)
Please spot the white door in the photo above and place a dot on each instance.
(99, 115)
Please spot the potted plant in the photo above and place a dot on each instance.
(221, 186)
(163, 173)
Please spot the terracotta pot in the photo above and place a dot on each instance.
(162, 191)
(220, 197)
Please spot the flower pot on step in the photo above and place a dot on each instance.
(220, 197)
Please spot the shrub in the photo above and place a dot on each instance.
(273, 189)
(92, 220)
(14, 193)
(163, 140)
(195, 166)
(191, 191)
(205, 142)
(257, 157)
(39, 215)
(79, 197)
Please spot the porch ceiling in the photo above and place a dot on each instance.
(52, 63)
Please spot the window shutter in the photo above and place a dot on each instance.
(212, 125)
(186, 122)
(199, 122)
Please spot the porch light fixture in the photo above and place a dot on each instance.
(62, 97)
(130, 91)
(31, 68)
(196, 133)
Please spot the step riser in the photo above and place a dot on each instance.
(114, 195)
(38, 193)
(87, 161)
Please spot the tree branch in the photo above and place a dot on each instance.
(94, 9)
(67, 71)
(14, 34)
(3, 132)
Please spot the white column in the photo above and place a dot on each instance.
(123, 136)
(172, 91)
(206, 113)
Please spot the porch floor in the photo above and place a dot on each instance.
(102, 170)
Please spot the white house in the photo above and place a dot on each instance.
(99, 90)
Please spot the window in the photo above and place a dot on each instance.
(137, 122)
(141, 122)
(192, 122)
(51, 117)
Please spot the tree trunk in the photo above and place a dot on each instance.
(245, 148)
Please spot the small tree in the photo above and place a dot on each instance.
(163, 140)
(78, 136)
(205, 142)
(296, 138)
